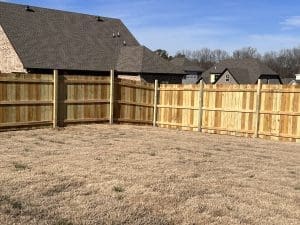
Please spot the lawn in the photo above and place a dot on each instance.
(121, 174)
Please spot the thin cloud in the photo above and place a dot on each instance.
(267, 42)
(291, 22)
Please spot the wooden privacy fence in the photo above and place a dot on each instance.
(265, 111)
(25, 100)
(28, 100)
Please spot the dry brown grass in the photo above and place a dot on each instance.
(101, 174)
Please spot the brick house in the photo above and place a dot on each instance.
(39, 40)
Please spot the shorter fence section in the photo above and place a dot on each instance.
(133, 102)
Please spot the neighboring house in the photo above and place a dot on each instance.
(191, 68)
(296, 81)
(39, 40)
(240, 71)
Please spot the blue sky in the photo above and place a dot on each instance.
(193, 24)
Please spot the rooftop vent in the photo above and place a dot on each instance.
(99, 19)
(114, 35)
(118, 34)
(28, 9)
(124, 43)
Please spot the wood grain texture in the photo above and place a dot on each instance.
(233, 110)
(134, 101)
(84, 99)
(179, 106)
(27, 100)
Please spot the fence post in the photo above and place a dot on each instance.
(111, 98)
(200, 112)
(257, 112)
(55, 98)
(155, 103)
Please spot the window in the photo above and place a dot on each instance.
(227, 77)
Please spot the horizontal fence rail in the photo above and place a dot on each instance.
(264, 111)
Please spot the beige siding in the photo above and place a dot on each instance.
(9, 60)
(129, 77)
(222, 79)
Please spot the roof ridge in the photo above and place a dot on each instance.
(57, 10)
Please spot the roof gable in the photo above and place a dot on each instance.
(239, 67)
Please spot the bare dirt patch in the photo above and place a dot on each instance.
(121, 174)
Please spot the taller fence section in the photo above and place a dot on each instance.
(265, 111)
(178, 106)
(25, 100)
(229, 109)
(280, 112)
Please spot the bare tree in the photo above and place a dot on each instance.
(220, 55)
(205, 56)
(246, 52)
(285, 62)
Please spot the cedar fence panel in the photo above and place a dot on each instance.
(25, 100)
(280, 112)
(134, 102)
(83, 99)
(231, 110)
(178, 106)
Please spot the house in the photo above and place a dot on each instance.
(139, 63)
(296, 80)
(191, 68)
(39, 40)
(240, 71)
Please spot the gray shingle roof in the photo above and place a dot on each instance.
(53, 39)
(241, 75)
(238, 68)
(140, 59)
(186, 64)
